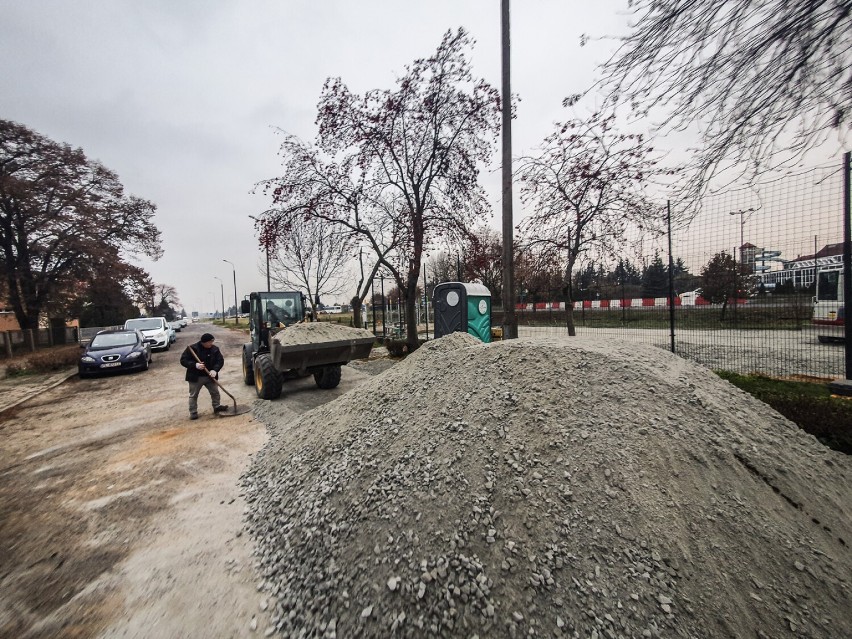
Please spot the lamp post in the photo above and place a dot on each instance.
(236, 310)
(222, 287)
(743, 220)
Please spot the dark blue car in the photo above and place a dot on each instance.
(115, 351)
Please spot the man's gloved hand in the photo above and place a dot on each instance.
(199, 366)
(213, 374)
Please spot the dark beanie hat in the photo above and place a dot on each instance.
(207, 337)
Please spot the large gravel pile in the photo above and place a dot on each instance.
(317, 332)
(564, 488)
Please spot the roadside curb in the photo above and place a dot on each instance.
(38, 388)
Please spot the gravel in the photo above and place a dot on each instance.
(316, 332)
(549, 488)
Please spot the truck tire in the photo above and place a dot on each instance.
(328, 377)
(248, 367)
(267, 380)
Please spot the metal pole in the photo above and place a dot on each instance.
(268, 285)
(671, 277)
(222, 287)
(373, 302)
(426, 300)
(384, 317)
(510, 320)
(847, 263)
(236, 308)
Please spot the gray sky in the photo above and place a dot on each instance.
(180, 97)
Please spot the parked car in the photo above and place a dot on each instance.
(183, 322)
(176, 326)
(118, 350)
(172, 335)
(155, 328)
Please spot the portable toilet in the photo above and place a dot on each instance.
(462, 307)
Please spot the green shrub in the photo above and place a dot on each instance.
(45, 361)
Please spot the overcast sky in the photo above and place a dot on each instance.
(180, 98)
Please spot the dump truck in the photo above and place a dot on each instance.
(275, 354)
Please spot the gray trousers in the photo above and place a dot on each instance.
(195, 388)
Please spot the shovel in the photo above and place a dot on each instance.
(236, 410)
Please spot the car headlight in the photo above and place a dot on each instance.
(134, 355)
(87, 359)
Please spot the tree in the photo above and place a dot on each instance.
(483, 261)
(756, 76)
(586, 187)
(108, 299)
(683, 279)
(311, 256)
(63, 219)
(157, 299)
(723, 278)
(410, 159)
(655, 278)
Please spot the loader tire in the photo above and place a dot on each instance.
(248, 367)
(267, 380)
(328, 377)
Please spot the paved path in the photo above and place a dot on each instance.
(16, 390)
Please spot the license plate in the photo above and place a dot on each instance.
(110, 364)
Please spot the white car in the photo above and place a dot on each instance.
(155, 329)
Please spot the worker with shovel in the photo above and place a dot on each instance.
(202, 369)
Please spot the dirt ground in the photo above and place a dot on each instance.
(120, 517)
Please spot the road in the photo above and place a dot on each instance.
(120, 517)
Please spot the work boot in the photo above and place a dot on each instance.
(220, 409)
(193, 416)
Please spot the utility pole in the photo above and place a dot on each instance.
(510, 321)
(236, 309)
(222, 287)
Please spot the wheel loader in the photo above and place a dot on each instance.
(271, 358)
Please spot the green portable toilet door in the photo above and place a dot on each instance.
(449, 309)
(479, 317)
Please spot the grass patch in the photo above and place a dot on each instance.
(808, 404)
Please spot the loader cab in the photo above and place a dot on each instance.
(271, 312)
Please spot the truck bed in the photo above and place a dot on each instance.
(303, 357)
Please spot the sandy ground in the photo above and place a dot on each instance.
(120, 517)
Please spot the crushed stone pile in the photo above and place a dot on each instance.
(317, 332)
(565, 488)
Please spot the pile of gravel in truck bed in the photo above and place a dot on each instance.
(316, 332)
(563, 488)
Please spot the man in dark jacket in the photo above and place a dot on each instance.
(203, 373)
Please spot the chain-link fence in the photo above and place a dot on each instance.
(742, 278)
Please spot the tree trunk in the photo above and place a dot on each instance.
(411, 311)
(356, 311)
(569, 313)
(724, 306)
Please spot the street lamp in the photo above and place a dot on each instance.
(236, 310)
(743, 220)
(222, 287)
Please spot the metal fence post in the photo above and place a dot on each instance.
(847, 263)
(671, 277)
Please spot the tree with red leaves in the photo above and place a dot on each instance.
(405, 163)
(586, 191)
(63, 220)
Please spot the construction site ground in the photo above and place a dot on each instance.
(120, 517)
